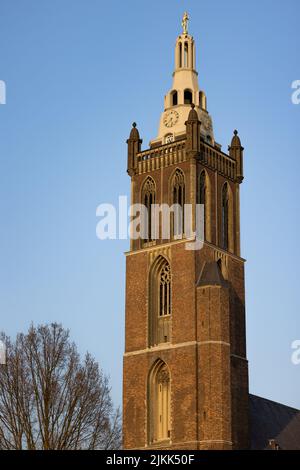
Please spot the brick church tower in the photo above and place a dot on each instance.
(185, 376)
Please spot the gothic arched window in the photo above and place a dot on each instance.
(148, 198)
(159, 403)
(202, 188)
(165, 291)
(177, 201)
(225, 217)
(159, 302)
(202, 196)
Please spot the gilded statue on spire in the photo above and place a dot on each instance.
(184, 22)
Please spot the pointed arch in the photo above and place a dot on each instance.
(159, 402)
(227, 241)
(177, 200)
(204, 197)
(148, 198)
(160, 302)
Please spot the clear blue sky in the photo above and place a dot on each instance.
(78, 72)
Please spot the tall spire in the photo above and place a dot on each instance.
(185, 91)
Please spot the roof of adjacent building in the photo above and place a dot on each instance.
(270, 420)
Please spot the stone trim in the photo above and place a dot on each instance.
(217, 441)
(165, 347)
(219, 251)
(180, 443)
(239, 357)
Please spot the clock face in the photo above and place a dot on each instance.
(169, 138)
(170, 118)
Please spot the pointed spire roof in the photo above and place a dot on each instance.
(184, 91)
(211, 276)
(193, 116)
(134, 134)
(236, 142)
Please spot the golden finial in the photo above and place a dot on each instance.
(184, 22)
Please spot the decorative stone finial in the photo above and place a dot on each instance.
(193, 116)
(184, 22)
(236, 141)
(236, 152)
(134, 133)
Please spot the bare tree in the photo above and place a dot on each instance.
(50, 398)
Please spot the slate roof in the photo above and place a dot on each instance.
(270, 420)
(211, 275)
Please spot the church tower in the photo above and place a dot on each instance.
(185, 375)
